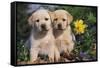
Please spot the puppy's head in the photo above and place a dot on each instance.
(40, 20)
(61, 19)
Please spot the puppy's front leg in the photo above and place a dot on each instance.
(68, 51)
(51, 56)
(33, 54)
(57, 54)
(51, 53)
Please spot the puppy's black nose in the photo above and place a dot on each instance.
(59, 26)
(43, 26)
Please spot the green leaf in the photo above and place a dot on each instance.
(91, 18)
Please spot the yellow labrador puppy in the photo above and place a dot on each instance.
(41, 39)
(62, 31)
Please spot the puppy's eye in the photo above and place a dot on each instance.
(46, 19)
(64, 19)
(37, 20)
(55, 19)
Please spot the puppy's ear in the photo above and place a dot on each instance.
(70, 17)
(30, 20)
(51, 15)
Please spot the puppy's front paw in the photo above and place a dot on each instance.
(68, 56)
(33, 60)
(57, 55)
(51, 59)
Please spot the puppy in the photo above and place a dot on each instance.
(62, 31)
(41, 39)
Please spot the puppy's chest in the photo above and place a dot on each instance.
(44, 47)
(44, 44)
(63, 40)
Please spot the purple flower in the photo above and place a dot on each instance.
(83, 54)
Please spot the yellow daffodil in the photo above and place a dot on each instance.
(79, 26)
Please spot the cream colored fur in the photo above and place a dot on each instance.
(42, 42)
(63, 36)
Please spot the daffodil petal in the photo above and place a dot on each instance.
(81, 21)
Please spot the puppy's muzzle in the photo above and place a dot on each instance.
(59, 27)
(43, 27)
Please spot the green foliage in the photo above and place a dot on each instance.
(23, 28)
(22, 52)
(91, 18)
